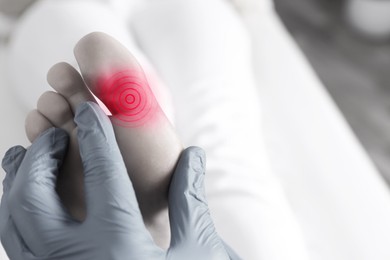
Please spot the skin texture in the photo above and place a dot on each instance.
(150, 147)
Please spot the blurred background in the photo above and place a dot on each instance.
(348, 44)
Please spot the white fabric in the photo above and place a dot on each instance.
(207, 65)
(338, 198)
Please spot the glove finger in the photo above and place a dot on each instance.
(191, 223)
(108, 190)
(13, 243)
(11, 240)
(33, 202)
(11, 162)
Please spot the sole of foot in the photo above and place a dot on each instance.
(148, 142)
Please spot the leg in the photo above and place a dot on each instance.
(203, 53)
(339, 197)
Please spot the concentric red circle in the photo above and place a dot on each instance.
(128, 97)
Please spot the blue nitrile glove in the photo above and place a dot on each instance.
(34, 224)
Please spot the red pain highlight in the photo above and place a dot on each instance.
(127, 95)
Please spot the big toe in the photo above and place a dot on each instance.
(116, 78)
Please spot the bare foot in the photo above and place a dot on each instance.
(148, 143)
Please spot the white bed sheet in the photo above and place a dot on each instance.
(339, 199)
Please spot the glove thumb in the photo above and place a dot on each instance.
(191, 225)
(11, 162)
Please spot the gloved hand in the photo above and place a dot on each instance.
(35, 225)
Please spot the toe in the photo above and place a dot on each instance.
(116, 78)
(67, 81)
(35, 124)
(57, 110)
(98, 53)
